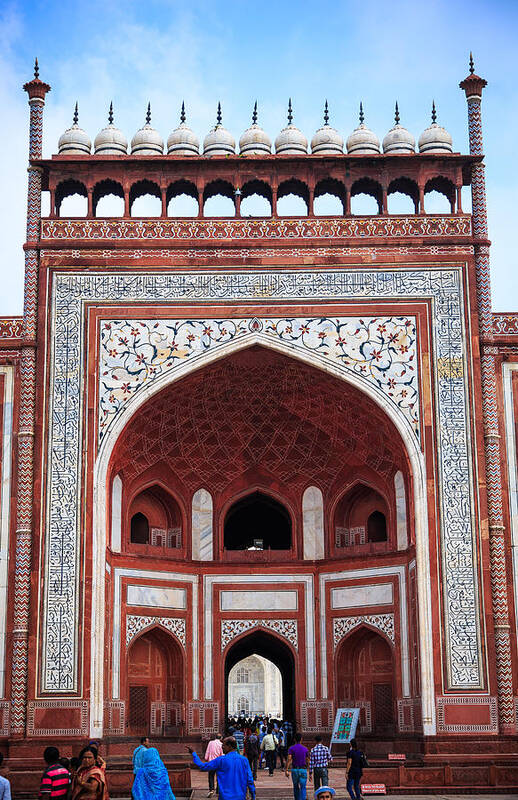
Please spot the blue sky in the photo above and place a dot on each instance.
(235, 52)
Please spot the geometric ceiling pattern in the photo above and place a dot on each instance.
(258, 410)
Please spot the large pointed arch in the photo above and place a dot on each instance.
(390, 410)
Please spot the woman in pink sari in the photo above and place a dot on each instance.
(89, 781)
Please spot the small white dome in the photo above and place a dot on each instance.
(327, 140)
(435, 139)
(398, 139)
(362, 140)
(75, 141)
(255, 141)
(110, 141)
(147, 141)
(183, 141)
(219, 141)
(290, 140)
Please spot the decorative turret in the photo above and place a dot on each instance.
(327, 140)
(74, 141)
(110, 141)
(254, 141)
(219, 141)
(435, 139)
(147, 141)
(183, 141)
(362, 140)
(398, 139)
(290, 140)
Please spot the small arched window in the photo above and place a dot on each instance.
(242, 675)
(243, 705)
(377, 527)
(257, 522)
(139, 529)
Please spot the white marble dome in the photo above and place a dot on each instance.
(110, 141)
(255, 141)
(327, 141)
(290, 140)
(183, 141)
(74, 141)
(362, 141)
(219, 141)
(147, 141)
(398, 139)
(435, 139)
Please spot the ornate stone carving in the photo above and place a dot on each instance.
(344, 625)
(136, 624)
(230, 628)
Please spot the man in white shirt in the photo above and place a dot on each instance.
(5, 786)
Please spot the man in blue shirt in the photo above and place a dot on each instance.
(232, 770)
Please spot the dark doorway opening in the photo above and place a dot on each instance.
(257, 521)
(264, 644)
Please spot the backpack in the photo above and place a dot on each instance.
(363, 760)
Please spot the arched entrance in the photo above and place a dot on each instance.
(155, 682)
(365, 678)
(273, 649)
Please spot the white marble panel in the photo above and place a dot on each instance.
(156, 597)
(202, 544)
(5, 497)
(313, 524)
(259, 601)
(378, 594)
(402, 527)
(116, 514)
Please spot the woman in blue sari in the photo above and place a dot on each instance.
(151, 779)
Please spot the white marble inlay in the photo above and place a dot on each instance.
(202, 545)
(116, 514)
(402, 529)
(278, 600)
(5, 497)
(377, 594)
(313, 524)
(156, 597)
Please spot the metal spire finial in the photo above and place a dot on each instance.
(36, 69)
(434, 113)
(110, 114)
(326, 114)
(396, 115)
(290, 112)
(219, 117)
(182, 113)
(471, 63)
(148, 114)
(362, 115)
(76, 115)
(254, 114)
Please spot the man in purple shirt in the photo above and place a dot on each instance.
(298, 757)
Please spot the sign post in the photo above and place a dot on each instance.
(345, 725)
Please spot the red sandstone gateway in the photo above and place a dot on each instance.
(284, 437)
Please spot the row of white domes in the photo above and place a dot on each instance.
(254, 141)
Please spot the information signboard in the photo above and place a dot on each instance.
(344, 728)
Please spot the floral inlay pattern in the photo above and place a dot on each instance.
(380, 349)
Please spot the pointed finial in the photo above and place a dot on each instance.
(471, 63)
(219, 117)
(76, 115)
(362, 115)
(254, 114)
(36, 69)
(396, 115)
(148, 114)
(326, 114)
(182, 113)
(110, 114)
(290, 112)
(434, 113)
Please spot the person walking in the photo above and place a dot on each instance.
(281, 747)
(232, 771)
(56, 779)
(252, 752)
(5, 786)
(269, 746)
(298, 757)
(213, 750)
(89, 781)
(355, 762)
(138, 753)
(152, 779)
(319, 759)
